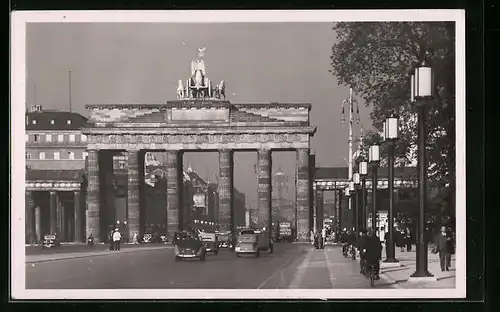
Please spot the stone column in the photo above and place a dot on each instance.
(264, 166)
(225, 189)
(63, 221)
(173, 200)
(133, 193)
(303, 192)
(78, 218)
(319, 209)
(29, 222)
(53, 212)
(38, 224)
(93, 198)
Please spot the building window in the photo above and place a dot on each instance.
(84, 138)
(57, 155)
(68, 121)
(72, 138)
(27, 155)
(33, 121)
(27, 137)
(36, 138)
(60, 138)
(48, 137)
(52, 121)
(121, 165)
(71, 156)
(41, 156)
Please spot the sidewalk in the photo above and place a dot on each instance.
(400, 275)
(92, 253)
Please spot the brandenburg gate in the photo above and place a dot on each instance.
(199, 119)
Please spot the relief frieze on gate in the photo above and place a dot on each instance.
(196, 138)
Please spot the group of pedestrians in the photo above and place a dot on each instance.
(318, 238)
(115, 238)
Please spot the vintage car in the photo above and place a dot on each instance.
(50, 241)
(210, 242)
(224, 240)
(247, 243)
(189, 246)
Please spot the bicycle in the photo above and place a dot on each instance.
(370, 270)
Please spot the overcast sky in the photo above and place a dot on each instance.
(141, 63)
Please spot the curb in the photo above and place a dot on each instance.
(95, 255)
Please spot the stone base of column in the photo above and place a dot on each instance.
(424, 279)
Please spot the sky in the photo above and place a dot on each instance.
(142, 63)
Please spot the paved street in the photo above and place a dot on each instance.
(290, 266)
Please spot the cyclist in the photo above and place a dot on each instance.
(372, 250)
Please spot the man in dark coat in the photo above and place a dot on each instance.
(372, 249)
(442, 246)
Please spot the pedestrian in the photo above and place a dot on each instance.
(408, 239)
(323, 238)
(441, 242)
(135, 241)
(116, 239)
(111, 242)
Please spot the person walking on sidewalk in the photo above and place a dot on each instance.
(323, 237)
(116, 239)
(441, 246)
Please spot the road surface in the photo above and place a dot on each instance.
(290, 266)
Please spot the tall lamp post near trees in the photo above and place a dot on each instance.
(390, 136)
(422, 87)
(363, 172)
(374, 159)
(356, 182)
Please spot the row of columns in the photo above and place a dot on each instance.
(359, 219)
(57, 224)
(174, 191)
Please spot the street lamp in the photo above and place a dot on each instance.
(374, 159)
(391, 135)
(422, 87)
(356, 180)
(363, 172)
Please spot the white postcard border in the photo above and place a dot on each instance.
(18, 98)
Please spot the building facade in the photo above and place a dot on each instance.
(55, 165)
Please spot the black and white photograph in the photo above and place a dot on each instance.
(238, 154)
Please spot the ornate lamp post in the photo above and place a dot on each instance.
(422, 87)
(363, 172)
(357, 207)
(374, 159)
(391, 135)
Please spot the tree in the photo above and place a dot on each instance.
(375, 58)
